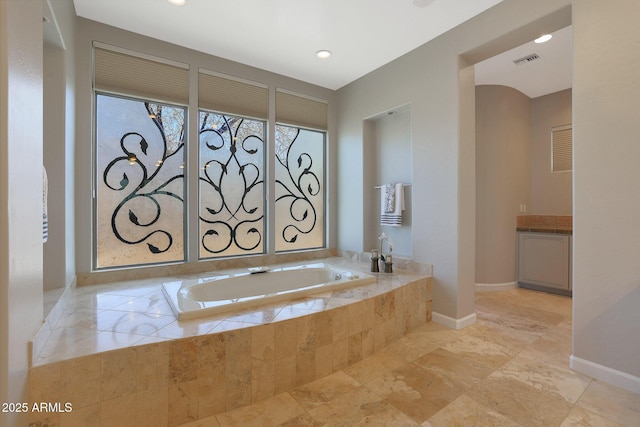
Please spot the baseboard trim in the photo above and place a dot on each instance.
(495, 286)
(452, 323)
(606, 374)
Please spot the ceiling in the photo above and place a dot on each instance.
(550, 72)
(283, 36)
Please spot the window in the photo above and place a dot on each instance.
(231, 185)
(141, 171)
(299, 179)
(232, 165)
(140, 139)
(561, 148)
(299, 173)
(140, 181)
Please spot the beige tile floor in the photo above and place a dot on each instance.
(509, 369)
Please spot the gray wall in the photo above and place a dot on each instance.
(437, 80)
(389, 140)
(20, 196)
(513, 167)
(503, 178)
(606, 241)
(59, 145)
(551, 192)
(54, 162)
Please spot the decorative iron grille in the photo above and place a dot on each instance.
(299, 188)
(140, 161)
(231, 185)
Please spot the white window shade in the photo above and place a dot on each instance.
(233, 96)
(562, 148)
(300, 111)
(142, 76)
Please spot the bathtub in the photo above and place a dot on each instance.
(256, 286)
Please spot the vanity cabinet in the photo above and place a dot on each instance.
(544, 261)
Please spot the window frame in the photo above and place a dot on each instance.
(323, 183)
(96, 179)
(265, 198)
(191, 176)
(555, 131)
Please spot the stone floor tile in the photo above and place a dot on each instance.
(323, 390)
(520, 402)
(360, 407)
(561, 382)
(580, 417)
(612, 403)
(459, 369)
(416, 391)
(482, 349)
(374, 366)
(274, 411)
(465, 411)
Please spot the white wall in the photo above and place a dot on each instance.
(440, 88)
(503, 171)
(606, 241)
(20, 195)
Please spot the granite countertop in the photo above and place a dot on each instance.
(547, 229)
(557, 224)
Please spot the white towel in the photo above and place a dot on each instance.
(394, 218)
(389, 197)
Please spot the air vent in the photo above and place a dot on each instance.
(526, 59)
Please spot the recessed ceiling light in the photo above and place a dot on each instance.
(422, 3)
(323, 54)
(543, 39)
(177, 2)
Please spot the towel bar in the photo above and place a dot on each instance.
(404, 185)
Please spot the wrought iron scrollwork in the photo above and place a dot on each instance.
(301, 186)
(231, 183)
(138, 173)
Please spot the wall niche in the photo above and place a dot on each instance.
(387, 160)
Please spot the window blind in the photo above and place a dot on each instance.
(235, 96)
(300, 111)
(143, 76)
(562, 148)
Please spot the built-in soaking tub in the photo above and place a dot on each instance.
(256, 286)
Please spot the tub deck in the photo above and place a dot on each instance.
(125, 336)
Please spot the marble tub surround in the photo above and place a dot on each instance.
(139, 277)
(97, 318)
(150, 369)
(51, 298)
(508, 369)
(562, 224)
(399, 263)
